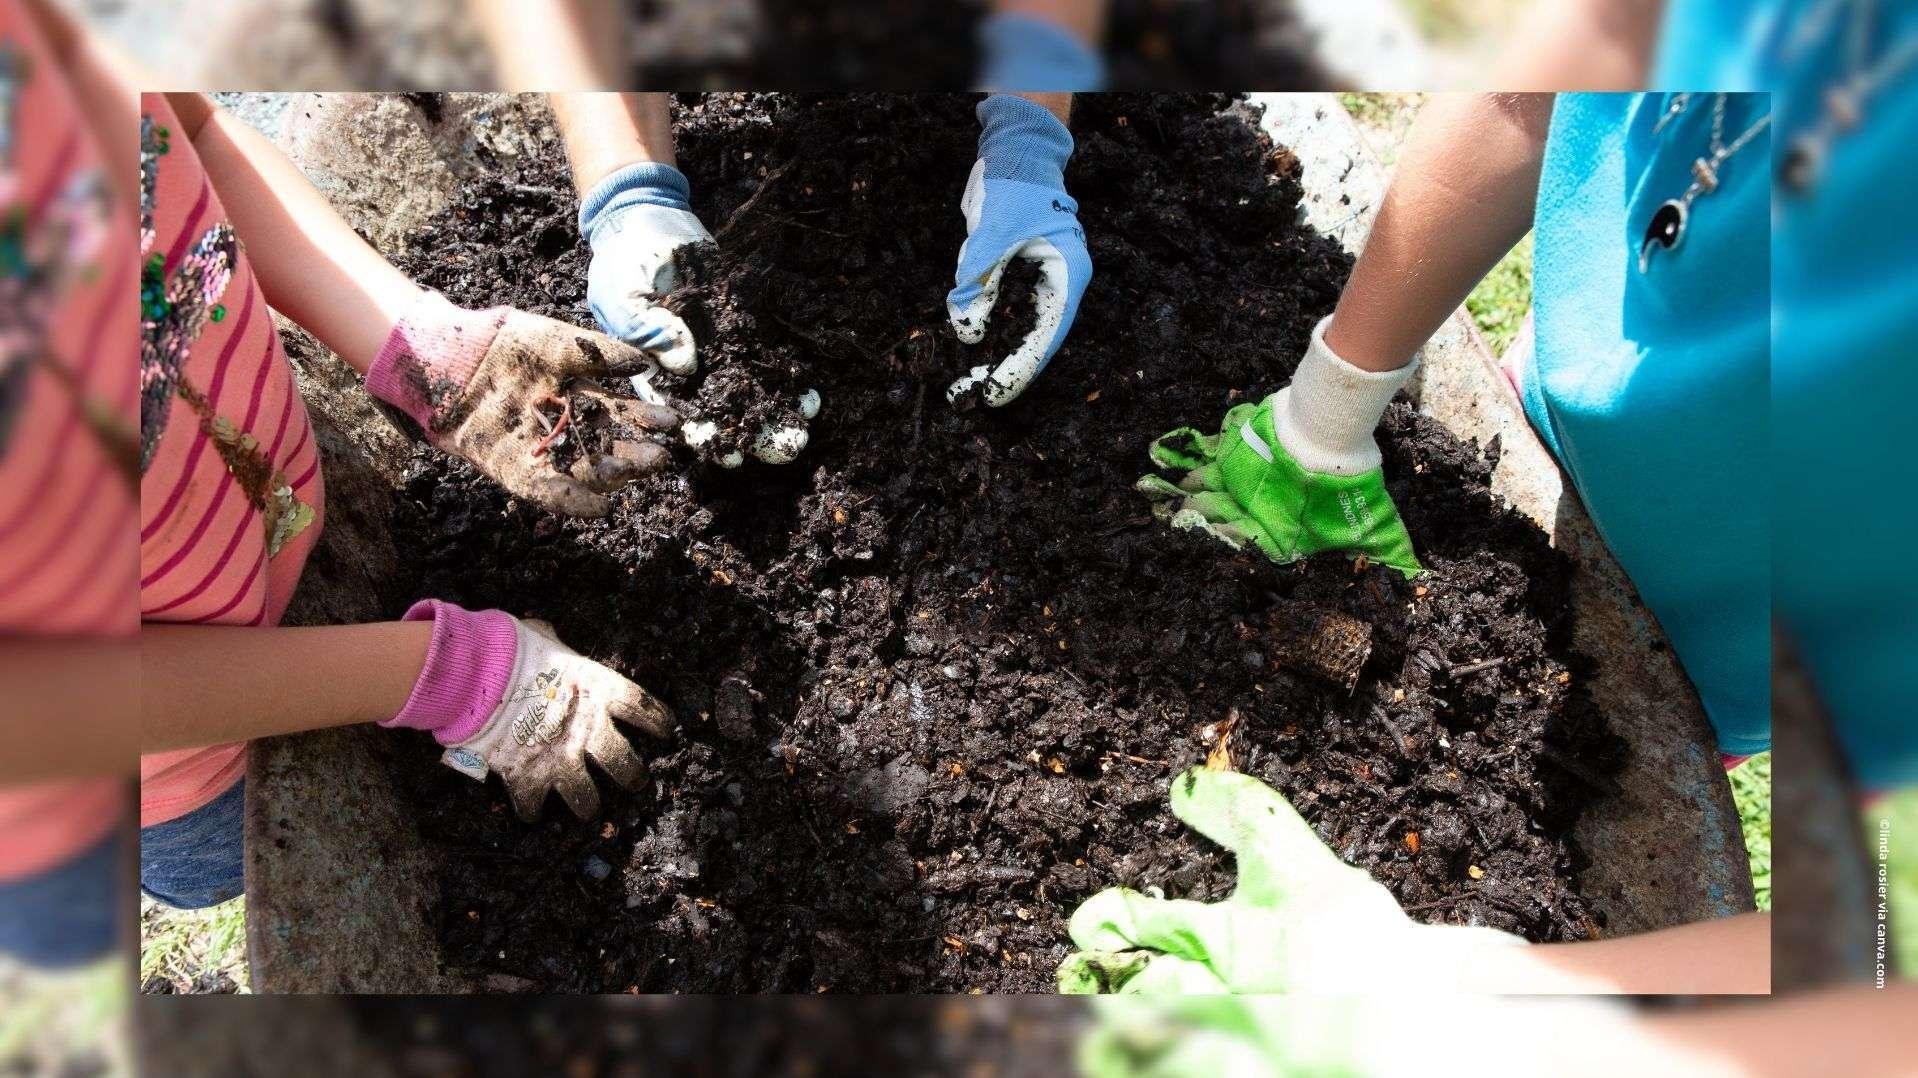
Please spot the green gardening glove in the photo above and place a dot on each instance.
(1294, 475)
(1340, 1037)
(1301, 920)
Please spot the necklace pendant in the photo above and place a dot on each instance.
(1706, 174)
(1666, 231)
(1802, 164)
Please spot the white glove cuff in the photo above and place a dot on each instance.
(1326, 417)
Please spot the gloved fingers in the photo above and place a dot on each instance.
(576, 787)
(553, 490)
(638, 708)
(1120, 919)
(567, 351)
(1216, 506)
(1183, 449)
(528, 792)
(1053, 319)
(608, 472)
(639, 415)
(1210, 477)
(1169, 975)
(615, 755)
(1159, 489)
(665, 335)
(1091, 973)
(1278, 853)
(969, 304)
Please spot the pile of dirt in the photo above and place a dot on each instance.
(933, 677)
(911, 45)
(1006, 1037)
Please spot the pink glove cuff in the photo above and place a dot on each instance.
(468, 664)
(430, 355)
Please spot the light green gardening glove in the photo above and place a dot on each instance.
(1377, 1036)
(1301, 920)
(1296, 474)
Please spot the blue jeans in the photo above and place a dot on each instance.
(68, 915)
(195, 861)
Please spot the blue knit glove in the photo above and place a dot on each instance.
(1024, 53)
(1016, 206)
(634, 220)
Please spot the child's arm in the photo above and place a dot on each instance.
(211, 684)
(1727, 955)
(311, 265)
(494, 386)
(500, 693)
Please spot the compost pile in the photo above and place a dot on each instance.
(934, 677)
(912, 45)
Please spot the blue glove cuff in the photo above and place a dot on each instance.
(645, 184)
(1024, 53)
(1023, 141)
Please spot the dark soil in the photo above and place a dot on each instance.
(913, 45)
(933, 677)
(804, 1037)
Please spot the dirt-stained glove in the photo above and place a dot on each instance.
(1016, 206)
(504, 695)
(1294, 475)
(494, 386)
(636, 221)
(1301, 920)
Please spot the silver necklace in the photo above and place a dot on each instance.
(1803, 162)
(1667, 227)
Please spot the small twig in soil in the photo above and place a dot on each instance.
(1135, 759)
(1469, 669)
(1398, 735)
(765, 185)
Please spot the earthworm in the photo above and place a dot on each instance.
(565, 417)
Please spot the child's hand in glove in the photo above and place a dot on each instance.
(1294, 475)
(485, 385)
(1301, 920)
(505, 695)
(1016, 205)
(636, 221)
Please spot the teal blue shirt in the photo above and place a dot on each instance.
(1845, 358)
(1652, 388)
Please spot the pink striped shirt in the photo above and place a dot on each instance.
(206, 551)
(67, 560)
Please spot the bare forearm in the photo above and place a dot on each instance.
(568, 45)
(207, 685)
(1727, 955)
(1861, 1030)
(1463, 194)
(72, 711)
(1085, 19)
(606, 132)
(310, 263)
(1059, 104)
(1581, 45)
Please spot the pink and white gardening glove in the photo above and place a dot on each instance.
(496, 386)
(505, 695)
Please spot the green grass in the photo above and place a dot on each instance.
(50, 1022)
(182, 945)
(1751, 791)
(1500, 302)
